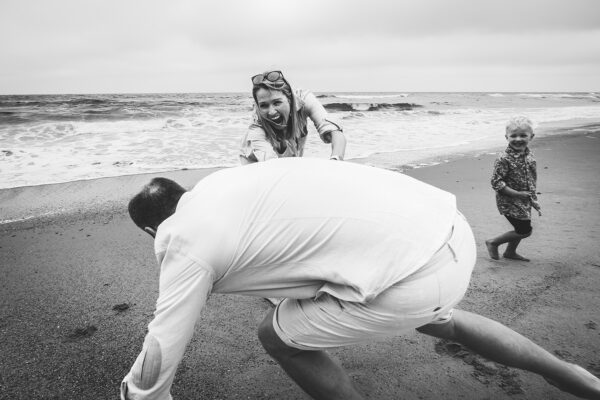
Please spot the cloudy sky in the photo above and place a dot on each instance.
(121, 46)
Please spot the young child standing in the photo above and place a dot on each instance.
(514, 180)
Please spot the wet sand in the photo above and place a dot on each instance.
(78, 287)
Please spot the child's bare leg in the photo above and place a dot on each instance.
(503, 345)
(492, 244)
(511, 251)
(492, 249)
(511, 248)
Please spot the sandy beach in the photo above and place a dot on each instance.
(79, 282)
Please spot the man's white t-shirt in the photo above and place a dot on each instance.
(289, 227)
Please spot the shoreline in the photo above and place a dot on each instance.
(28, 204)
(79, 289)
(386, 160)
(547, 129)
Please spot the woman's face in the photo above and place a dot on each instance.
(274, 106)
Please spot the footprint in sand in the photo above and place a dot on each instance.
(82, 333)
(121, 307)
(485, 371)
(594, 368)
(591, 325)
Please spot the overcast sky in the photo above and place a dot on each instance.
(120, 46)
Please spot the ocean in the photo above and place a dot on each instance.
(61, 138)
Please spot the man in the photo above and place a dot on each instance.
(358, 253)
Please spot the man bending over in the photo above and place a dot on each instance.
(358, 253)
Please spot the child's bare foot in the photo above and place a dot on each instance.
(515, 256)
(492, 249)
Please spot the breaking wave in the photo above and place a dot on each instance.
(371, 106)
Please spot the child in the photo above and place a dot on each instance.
(514, 180)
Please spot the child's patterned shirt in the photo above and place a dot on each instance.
(518, 171)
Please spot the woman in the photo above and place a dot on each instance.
(279, 128)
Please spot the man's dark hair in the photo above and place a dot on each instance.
(156, 202)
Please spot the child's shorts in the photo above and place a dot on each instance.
(427, 296)
(522, 226)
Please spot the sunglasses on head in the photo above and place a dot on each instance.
(269, 77)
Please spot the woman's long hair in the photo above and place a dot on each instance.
(292, 131)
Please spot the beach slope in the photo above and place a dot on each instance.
(78, 287)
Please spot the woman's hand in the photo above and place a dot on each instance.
(338, 145)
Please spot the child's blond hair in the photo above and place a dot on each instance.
(519, 122)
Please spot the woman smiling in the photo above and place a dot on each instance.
(280, 127)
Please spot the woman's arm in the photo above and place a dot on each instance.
(329, 131)
(338, 145)
(255, 146)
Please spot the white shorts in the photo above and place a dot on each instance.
(427, 296)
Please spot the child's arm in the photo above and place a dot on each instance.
(523, 195)
(536, 205)
(501, 170)
(508, 191)
(534, 200)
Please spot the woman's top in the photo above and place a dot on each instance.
(257, 147)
